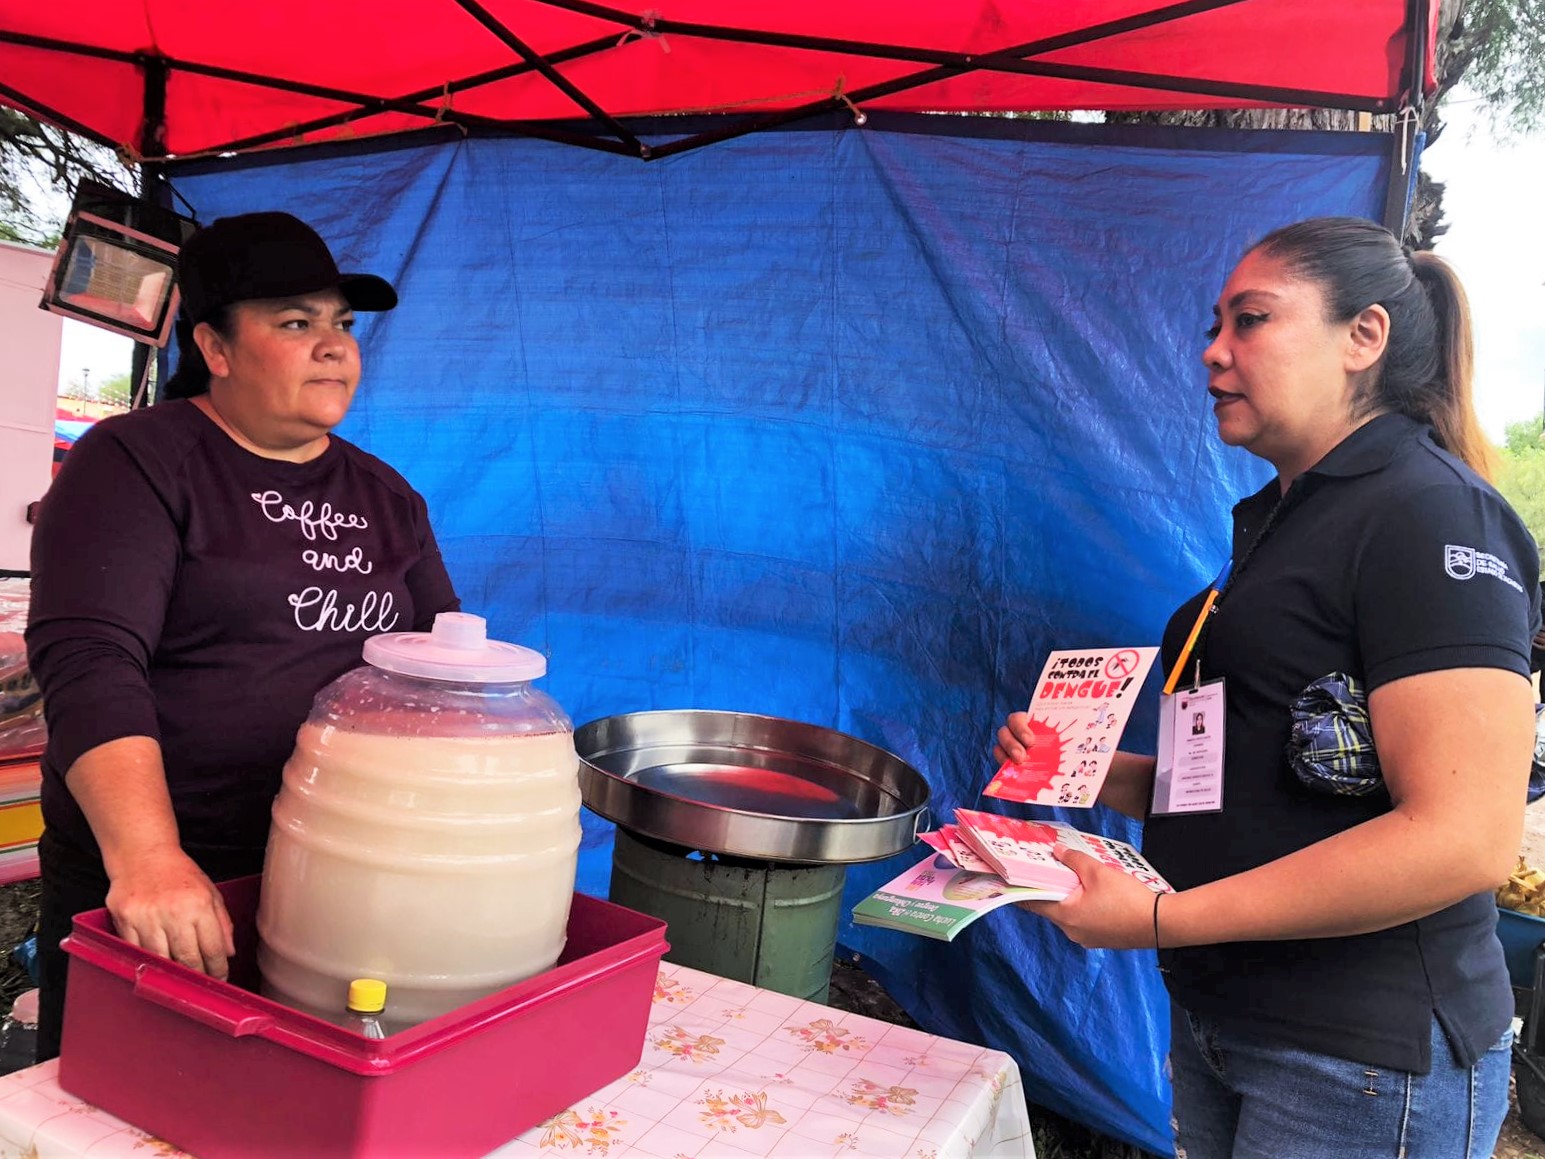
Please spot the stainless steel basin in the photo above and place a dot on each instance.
(750, 786)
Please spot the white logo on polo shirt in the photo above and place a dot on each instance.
(1464, 562)
(1459, 562)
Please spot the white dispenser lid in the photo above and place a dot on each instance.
(458, 649)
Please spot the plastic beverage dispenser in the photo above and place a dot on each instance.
(427, 830)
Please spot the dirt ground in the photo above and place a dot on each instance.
(18, 912)
(1516, 1140)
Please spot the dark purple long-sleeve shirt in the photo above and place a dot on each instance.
(187, 590)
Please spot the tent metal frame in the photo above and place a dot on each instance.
(1398, 193)
(433, 105)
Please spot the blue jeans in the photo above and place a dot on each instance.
(1239, 1098)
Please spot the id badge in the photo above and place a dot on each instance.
(1188, 775)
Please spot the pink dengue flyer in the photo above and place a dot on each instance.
(1077, 714)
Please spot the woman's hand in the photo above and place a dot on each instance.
(1015, 739)
(165, 904)
(1110, 910)
(160, 900)
(1128, 785)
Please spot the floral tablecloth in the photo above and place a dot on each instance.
(728, 1070)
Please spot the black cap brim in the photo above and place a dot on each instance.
(367, 292)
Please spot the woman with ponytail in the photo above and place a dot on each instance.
(191, 378)
(1336, 983)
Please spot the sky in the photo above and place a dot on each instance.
(87, 354)
(1496, 242)
(1496, 239)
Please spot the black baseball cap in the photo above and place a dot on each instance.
(266, 255)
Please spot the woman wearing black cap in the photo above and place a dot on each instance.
(200, 570)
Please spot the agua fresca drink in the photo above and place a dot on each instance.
(426, 834)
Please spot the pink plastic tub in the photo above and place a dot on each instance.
(221, 1071)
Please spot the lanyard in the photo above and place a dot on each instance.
(1215, 593)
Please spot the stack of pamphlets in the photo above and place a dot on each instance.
(986, 860)
(938, 899)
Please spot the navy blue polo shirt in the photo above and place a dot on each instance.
(1388, 558)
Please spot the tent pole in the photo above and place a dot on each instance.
(928, 76)
(26, 104)
(151, 147)
(1397, 194)
(1408, 122)
(663, 26)
(444, 92)
(554, 77)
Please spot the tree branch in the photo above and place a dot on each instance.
(35, 157)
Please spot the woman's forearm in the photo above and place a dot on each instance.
(1454, 747)
(159, 900)
(1392, 869)
(121, 788)
(1129, 784)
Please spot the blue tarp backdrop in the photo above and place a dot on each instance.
(845, 425)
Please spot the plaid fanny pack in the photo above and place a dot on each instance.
(1330, 747)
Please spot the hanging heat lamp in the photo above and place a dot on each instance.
(117, 264)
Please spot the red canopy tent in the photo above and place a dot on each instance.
(162, 78)
(184, 78)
